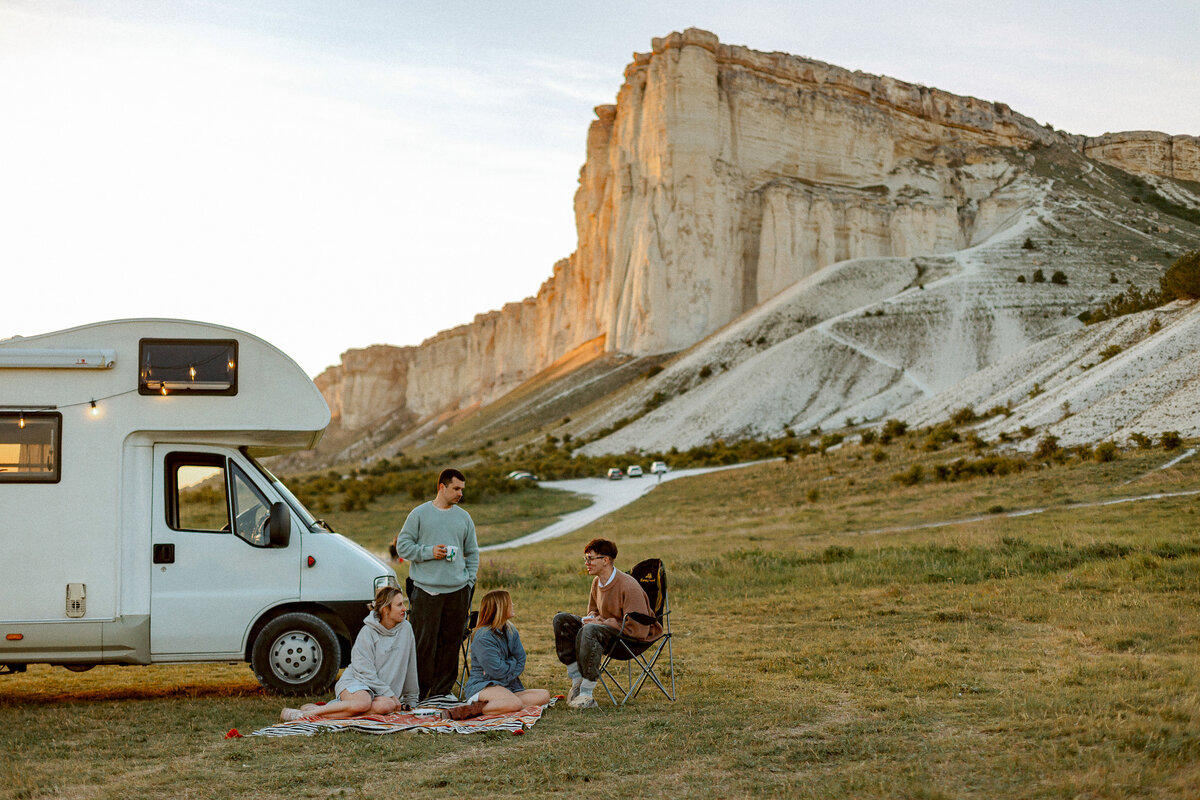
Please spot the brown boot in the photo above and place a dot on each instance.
(466, 711)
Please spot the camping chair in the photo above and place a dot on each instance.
(652, 577)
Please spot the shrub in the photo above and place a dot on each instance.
(705, 371)
(829, 440)
(911, 476)
(1109, 352)
(1130, 301)
(835, 553)
(813, 495)
(1039, 276)
(1027, 431)
(1020, 279)
(963, 416)
(1154, 327)
(1182, 279)
(1170, 440)
(1047, 447)
(1141, 440)
(879, 454)
(939, 436)
(1028, 244)
(1059, 277)
(895, 428)
(1105, 451)
(868, 437)
(1036, 390)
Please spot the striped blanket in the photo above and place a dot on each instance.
(516, 722)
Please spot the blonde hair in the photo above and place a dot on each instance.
(384, 595)
(495, 609)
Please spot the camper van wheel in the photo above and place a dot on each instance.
(79, 667)
(296, 653)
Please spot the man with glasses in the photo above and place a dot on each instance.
(582, 642)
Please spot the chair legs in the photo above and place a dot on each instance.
(630, 688)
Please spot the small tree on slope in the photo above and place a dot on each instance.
(1182, 279)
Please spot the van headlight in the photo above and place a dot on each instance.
(385, 580)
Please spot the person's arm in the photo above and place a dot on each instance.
(593, 612)
(471, 551)
(408, 544)
(362, 656)
(518, 651)
(492, 659)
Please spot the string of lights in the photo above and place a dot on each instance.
(33, 409)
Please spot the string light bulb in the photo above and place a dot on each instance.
(192, 371)
(95, 408)
(163, 388)
(21, 422)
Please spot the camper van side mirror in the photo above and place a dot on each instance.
(280, 524)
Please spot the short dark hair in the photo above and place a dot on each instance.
(449, 474)
(601, 547)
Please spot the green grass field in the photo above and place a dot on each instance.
(1050, 655)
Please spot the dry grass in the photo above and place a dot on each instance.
(1055, 655)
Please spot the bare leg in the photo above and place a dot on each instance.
(348, 704)
(499, 700)
(384, 705)
(534, 697)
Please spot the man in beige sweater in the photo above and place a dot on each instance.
(582, 642)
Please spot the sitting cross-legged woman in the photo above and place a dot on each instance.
(382, 676)
(498, 659)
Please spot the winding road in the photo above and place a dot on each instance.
(607, 495)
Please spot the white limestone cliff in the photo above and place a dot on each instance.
(721, 177)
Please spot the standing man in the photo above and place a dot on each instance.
(438, 540)
(582, 642)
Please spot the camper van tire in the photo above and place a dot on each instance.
(296, 654)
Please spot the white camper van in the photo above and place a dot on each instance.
(137, 525)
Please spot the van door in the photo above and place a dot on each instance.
(214, 569)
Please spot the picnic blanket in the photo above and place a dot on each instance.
(516, 722)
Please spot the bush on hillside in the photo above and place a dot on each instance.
(1182, 279)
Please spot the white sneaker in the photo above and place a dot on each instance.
(291, 714)
(574, 692)
(582, 701)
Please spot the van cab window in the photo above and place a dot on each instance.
(197, 487)
(187, 366)
(251, 511)
(206, 492)
(30, 447)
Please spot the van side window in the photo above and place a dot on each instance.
(196, 496)
(187, 366)
(30, 447)
(251, 511)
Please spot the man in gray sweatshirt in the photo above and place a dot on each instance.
(438, 541)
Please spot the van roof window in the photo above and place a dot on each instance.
(188, 366)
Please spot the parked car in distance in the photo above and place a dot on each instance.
(614, 474)
(522, 475)
(658, 467)
(634, 471)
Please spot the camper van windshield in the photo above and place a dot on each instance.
(310, 522)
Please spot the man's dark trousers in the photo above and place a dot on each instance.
(439, 622)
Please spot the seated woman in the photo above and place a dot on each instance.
(498, 659)
(382, 675)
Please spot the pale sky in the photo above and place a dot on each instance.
(331, 175)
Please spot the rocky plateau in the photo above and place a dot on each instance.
(769, 243)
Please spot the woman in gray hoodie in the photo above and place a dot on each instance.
(382, 676)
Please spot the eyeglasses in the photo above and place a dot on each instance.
(590, 559)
